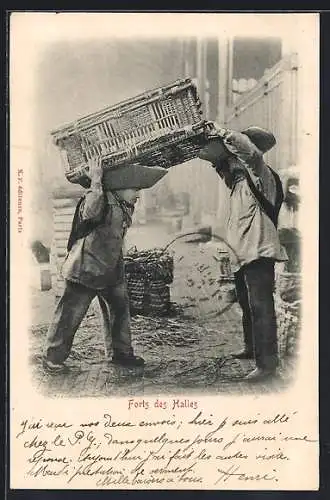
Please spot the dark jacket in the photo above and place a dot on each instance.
(96, 260)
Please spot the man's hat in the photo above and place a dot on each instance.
(129, 176)
(262, 138)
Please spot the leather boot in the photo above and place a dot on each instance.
(244, 354)
(260, 375)
(127, 360)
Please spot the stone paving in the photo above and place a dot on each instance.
(188, 352)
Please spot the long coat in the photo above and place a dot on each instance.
(250, 232)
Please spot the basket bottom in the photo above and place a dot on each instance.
(166, 151)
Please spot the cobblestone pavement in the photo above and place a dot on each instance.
(188, 352)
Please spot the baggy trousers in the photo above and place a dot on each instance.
(255, 287)
(70, 311)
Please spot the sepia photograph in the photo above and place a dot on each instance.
(162, 217)
(165, 306)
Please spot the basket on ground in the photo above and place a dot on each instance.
(149, 273)
(162, 127)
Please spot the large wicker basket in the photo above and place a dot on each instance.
(162, 127)
(149, 274)
(148, 298)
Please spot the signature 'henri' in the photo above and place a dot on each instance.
(236, 473)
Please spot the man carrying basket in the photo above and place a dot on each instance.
(256, 196)
(94, 265)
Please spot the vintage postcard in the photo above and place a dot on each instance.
(164, 251)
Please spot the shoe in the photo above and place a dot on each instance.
(54, 368)
(260, 375)
(127, 360)
(243, 355)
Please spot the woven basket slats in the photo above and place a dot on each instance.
(163, 127)
(149, 273)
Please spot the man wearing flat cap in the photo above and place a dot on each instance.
(94, 265)
(255, 198)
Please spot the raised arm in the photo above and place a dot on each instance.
(243, 148)
(93, 204)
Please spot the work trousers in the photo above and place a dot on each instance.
(255, 288)
(70, 311)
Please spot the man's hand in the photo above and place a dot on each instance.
(215, 130)
(95, 170)
(93, 205)
(239, 145)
